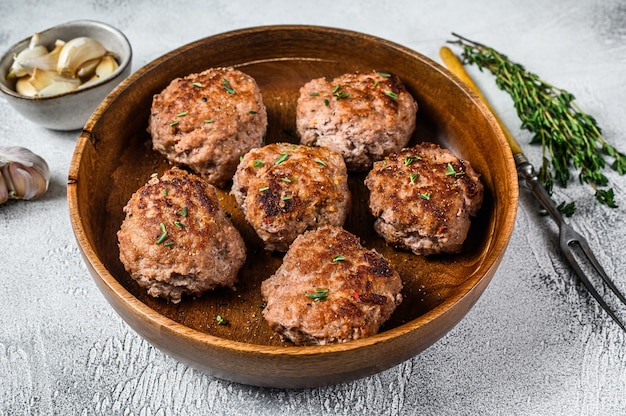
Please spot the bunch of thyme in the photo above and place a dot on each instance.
(569, 137)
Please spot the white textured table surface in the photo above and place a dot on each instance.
(534, 344)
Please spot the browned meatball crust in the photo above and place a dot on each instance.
(176, 240)
(330, 289)
(285, 189)
(423, 198)
(208, 120)
(361, 116)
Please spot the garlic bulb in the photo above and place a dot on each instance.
(81, 61)
(23, 174)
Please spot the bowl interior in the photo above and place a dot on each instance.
(113, 158)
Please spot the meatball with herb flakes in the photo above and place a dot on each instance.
(176, 240)
(207, 121)
(285, 189)
(423, 198)
(330, 289)
(362, 116)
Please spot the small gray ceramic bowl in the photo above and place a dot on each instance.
(71, 110)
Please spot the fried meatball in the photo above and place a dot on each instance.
(361, 116)
(330, 289)
(285, 189)
(207, 121)
(423, 198)
(176, 240)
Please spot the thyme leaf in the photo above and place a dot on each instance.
(227, 87)
(283, 156)
(391, 94)
(163, 235)
(318, 294)
(450, 171)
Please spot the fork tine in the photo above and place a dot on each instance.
(567, 252)
(584, 245)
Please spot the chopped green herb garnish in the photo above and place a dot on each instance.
(208, 120)
(413, 176)
(163, 234)
(258, 163)
(425, 196)
(197, 84)
(165, 191)
(221, 320)
(284, 156)
(285, 179)
(173, 123)
(264, 188)
(286, 198)
(339, 94)
(227, 87)
(251, 112)
(450, 171)
(321, 162)
(314, 94)
(319, 294)
(182, 114)
(391, 94)
(338, 257)
(384, 74)
(326, 103)
(179, 224)
(410, 159)
(184, 212)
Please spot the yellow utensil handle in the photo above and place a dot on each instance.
(456, 67)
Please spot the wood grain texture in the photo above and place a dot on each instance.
(113, 159)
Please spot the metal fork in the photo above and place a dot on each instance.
(568, 237)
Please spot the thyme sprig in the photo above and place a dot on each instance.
(570, 138)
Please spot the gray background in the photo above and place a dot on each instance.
(534, 344)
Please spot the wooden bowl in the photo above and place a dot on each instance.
(113, 158)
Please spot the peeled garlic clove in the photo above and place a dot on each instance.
(25, 88)
(17, 70)
(76, 52)
(88, 68)
(25, 175)
(47, 62)
(34, 40)
(56, 88)
(107, 65)
(41, 79)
